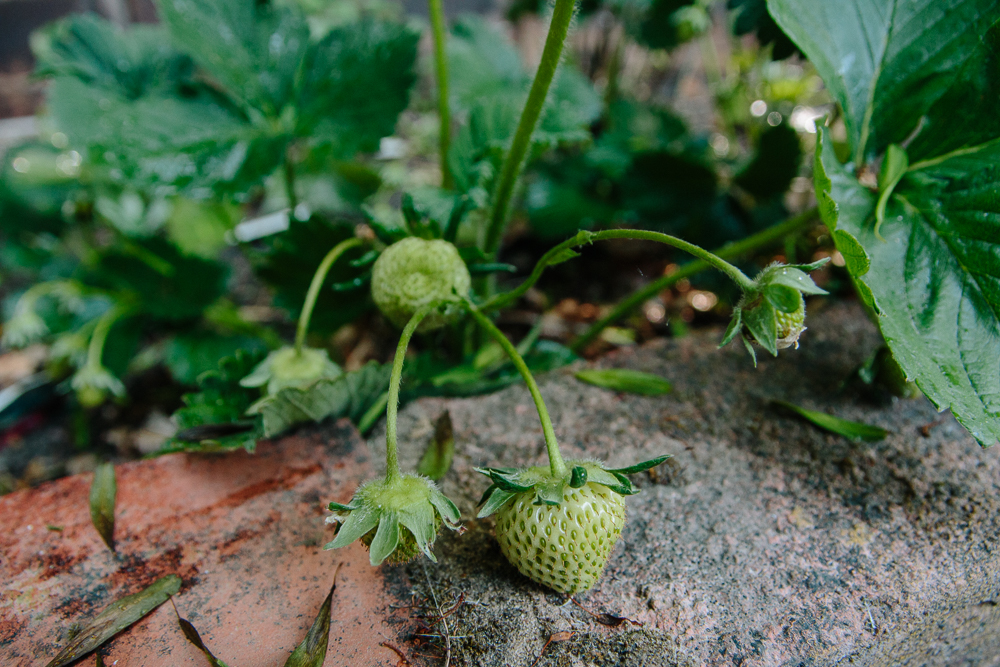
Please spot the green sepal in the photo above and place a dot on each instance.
(365, 260)
(419, 520)
(812, 266)
(550, 493)
(502, 478)
(749, 347)
(386, 537)
(357, 524)
(761, 322)
(624, 487)
(486, 494)
(337, 507)
(789, 276)
(446, 508)
(783, 298)
(496, 500)
(639, 467)
(578, 477)
(734, 327)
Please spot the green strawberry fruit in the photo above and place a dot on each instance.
(414, 272)
(562, 546)
(559, 531)
(790, 325)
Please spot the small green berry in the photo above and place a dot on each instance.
(415, 272)
(790, 325)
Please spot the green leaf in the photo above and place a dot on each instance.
(894, 167)
(131, 62)
(214, 417)
(118, 616)
(356, 83)
(623, 379)
(161, 141)
(934, 279)
(103, 491)
(192, 635)
(436, 461)
(252, 50)
(843, 427)
(312, 651)
(349, 395)
(199, 228)
(896, 66)
(189, 355)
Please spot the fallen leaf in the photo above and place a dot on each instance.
(118, 616)
(623, 379)
(312, 651)
(103, 491)
(436, 461)
(843, 427)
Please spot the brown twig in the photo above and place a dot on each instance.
(610, 620)
(402, 658)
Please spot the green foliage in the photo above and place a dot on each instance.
(625, 380)
(930, 269)
(214, 418)
(348, 395)
(103, 491)
(488, 87)
(842, 427)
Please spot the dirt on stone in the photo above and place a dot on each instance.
(765, 542)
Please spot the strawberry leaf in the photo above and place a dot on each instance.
(626, 380)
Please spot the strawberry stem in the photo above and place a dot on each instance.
(392, 407)
(439, 32)
(556, 463)
(314, 287)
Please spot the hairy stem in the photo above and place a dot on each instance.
(314, 287)
(562, 16)
(728, 251)
(439, 32)
(556, 463)
(392, 406)
(555, 255)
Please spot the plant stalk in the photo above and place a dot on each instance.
(728, 251)
(95, 350)
(314, 287)
(562, 16)
(582, 238)
(556, 463)
(439, 32)
(289, 173)
(392, 406)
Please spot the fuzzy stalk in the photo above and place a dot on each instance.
(317, 282)
(439, 32)
(392, 472)
(562, 16)
(556, 463)
(95, 350)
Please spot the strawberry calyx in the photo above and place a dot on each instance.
(772, 311)
(396, 518)
(291, 367)
(548, 489)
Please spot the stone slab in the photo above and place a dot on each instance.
(765, 542)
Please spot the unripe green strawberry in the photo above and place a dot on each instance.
(560, 530)
(414, 272)
(565, 546)
(790, 325)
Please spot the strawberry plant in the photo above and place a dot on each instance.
(176, 144)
